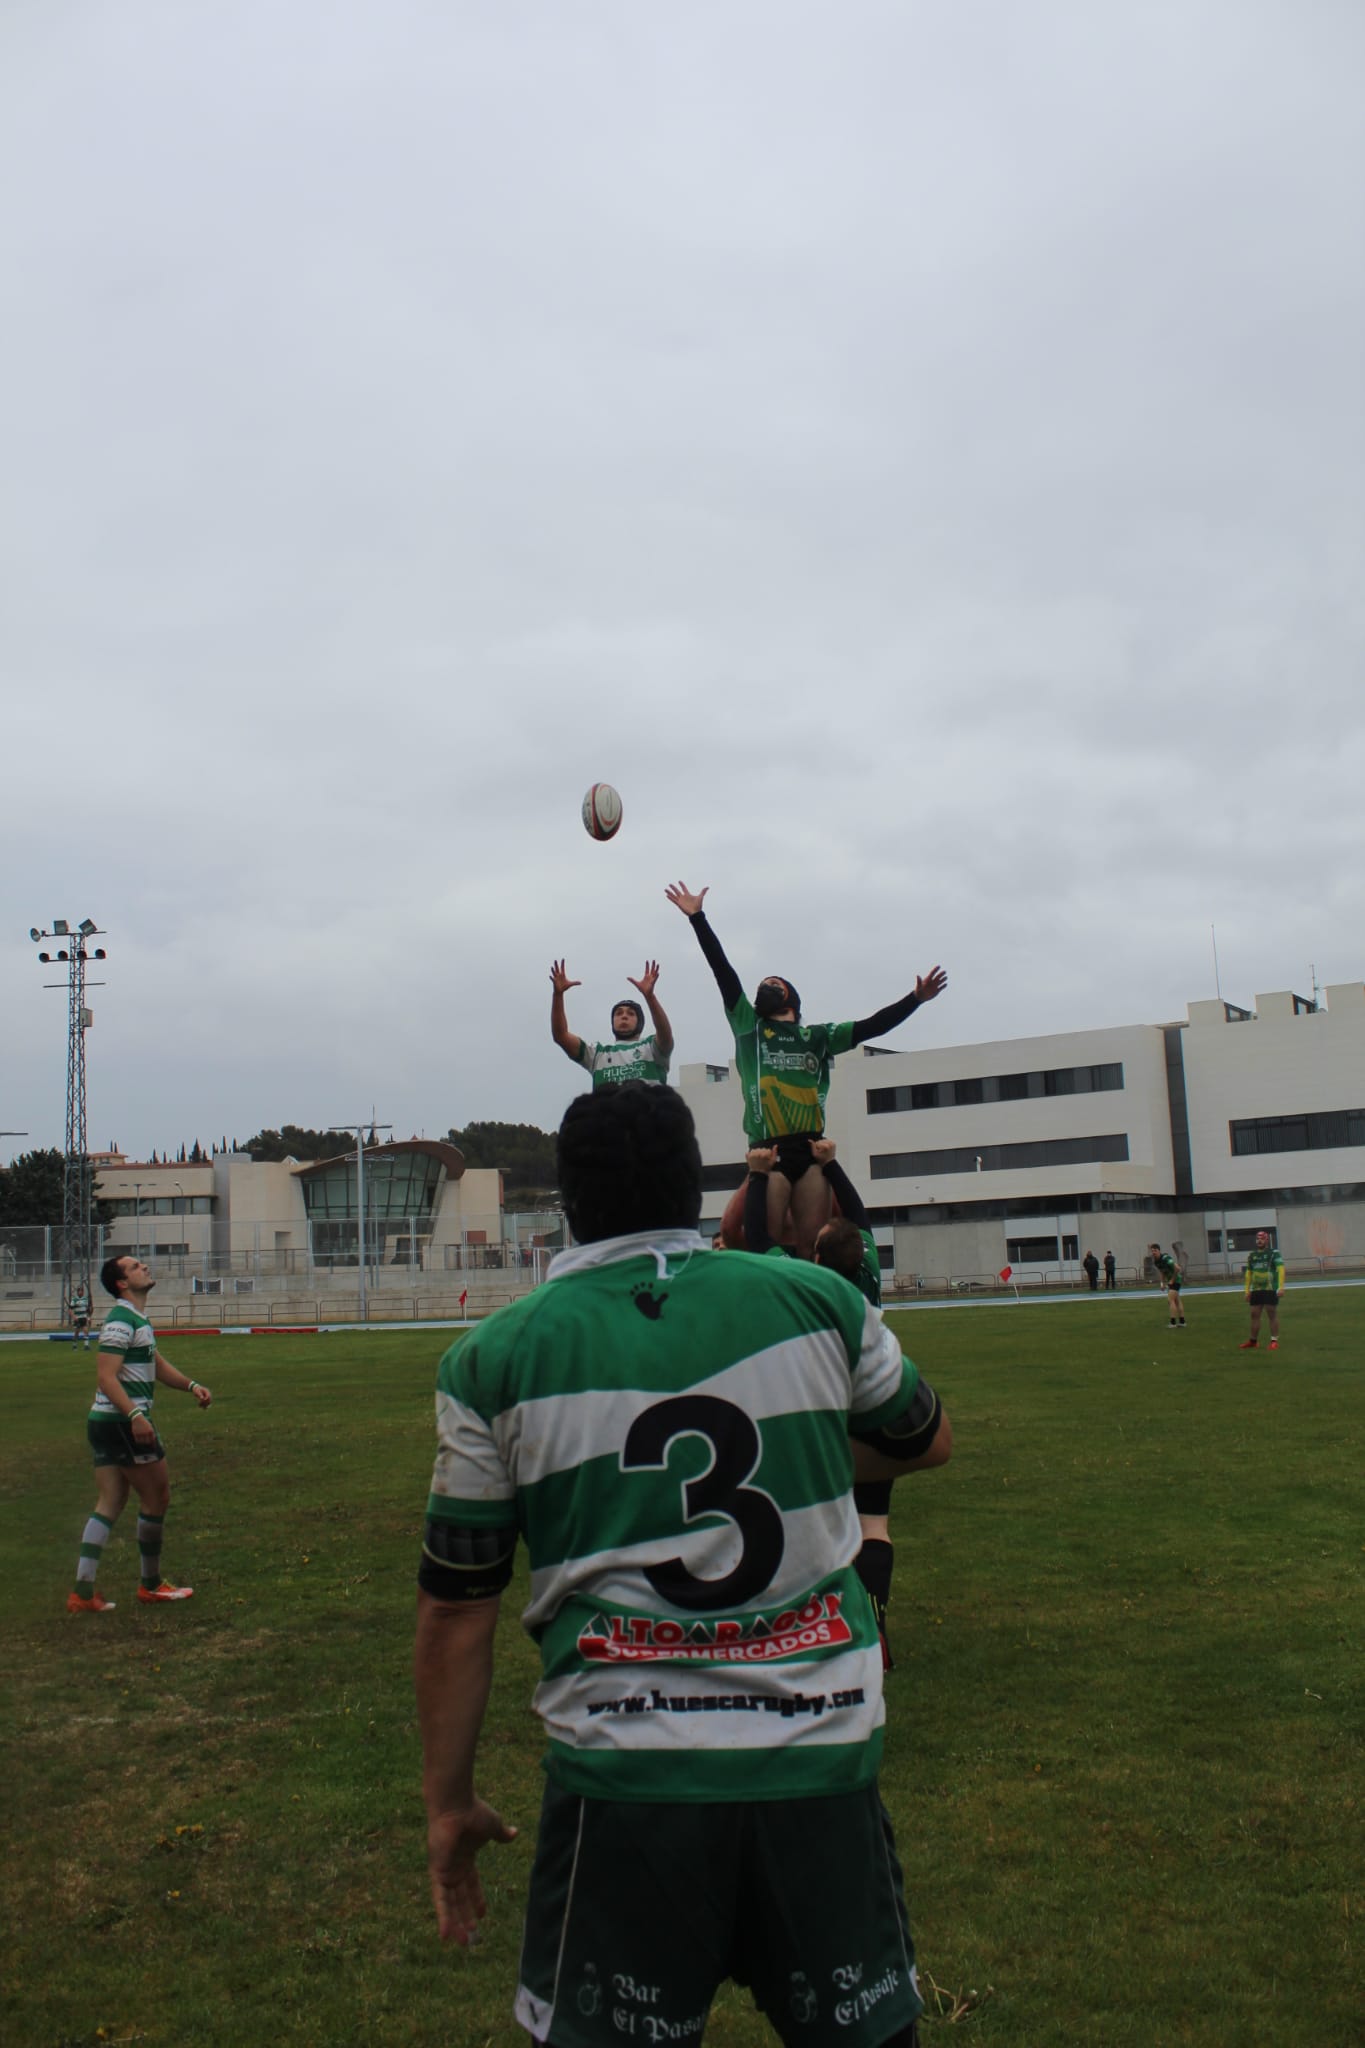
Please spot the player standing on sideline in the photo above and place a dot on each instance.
(127, 1450)
(784, 1070)
(630, 1057)
(1263, 1284)
(1170, 1277)
(669, 1433)
(845, 1245)
(1110, 1269)
(80, 1315)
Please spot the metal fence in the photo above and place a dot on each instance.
(31, 1258)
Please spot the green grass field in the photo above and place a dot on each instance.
(1125, 1751)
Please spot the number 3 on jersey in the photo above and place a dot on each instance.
(736, 1449)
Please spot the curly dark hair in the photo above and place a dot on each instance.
(629, 1160)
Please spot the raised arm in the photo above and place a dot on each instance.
(927, 986)
(571, 1043)
(663, 1030)
(727, 981)
(846, 1195)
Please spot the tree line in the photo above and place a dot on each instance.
(31, 1188)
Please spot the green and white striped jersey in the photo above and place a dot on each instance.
(129, 1333)
(668, 1432)
(635, 1059)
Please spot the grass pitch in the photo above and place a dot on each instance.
(1124, 1752)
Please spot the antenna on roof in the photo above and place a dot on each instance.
(1217, 985)
(1317, 987)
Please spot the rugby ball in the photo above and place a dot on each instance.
(602, 811)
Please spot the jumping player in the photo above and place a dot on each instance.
(784, 1070)
(629, 1057)
(844, 1245)
(1171, 1279)
(128, 1452)
(712, 1687)
(1263, 1284)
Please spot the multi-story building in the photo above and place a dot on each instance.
(1029, 1152)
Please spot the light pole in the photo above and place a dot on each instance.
(184, 1224)
(77, 1222)
(137, 1219)
(366, 1124)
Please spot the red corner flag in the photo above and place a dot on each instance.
(464, 1296)
(1005, 1272)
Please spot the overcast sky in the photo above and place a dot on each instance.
(914, 450)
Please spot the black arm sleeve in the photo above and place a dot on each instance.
(884, 1020)
(727, 981)
(846, 1195)
(909, 1434)
(465, 1564)
(756, 1238)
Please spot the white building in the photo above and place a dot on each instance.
(1029, 1152)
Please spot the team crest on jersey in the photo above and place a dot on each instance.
(639, 1639)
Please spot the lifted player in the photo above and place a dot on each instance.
(784, 1070)
(629, 1057)
(844, 1245)
(1171, 1278)
(127, 1450)
(1263, 1284)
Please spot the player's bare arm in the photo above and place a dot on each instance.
(929, 985)
(916, 1441)
(663, 1030)
(171, 1376)
(560, 982)
(452, 1673)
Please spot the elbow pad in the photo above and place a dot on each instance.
(909, 1434)
(465, 1564)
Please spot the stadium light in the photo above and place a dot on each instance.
(77, 1193)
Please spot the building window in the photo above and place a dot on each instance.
(979, 1088)
(1319, 1130)
(1031, 1251)
(717, 1073)
(1000, 1158)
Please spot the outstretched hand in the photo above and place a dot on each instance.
(647, 980)
(453, 1844)
(929, 985)
(688, 904)
(560, 979)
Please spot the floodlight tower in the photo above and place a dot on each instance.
(77, 1221)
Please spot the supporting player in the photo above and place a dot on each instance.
(629, 1057)
(1263, 1284)
(128, 1452)
(80, 1315)
(1171, 1278)
(712, 1688)
(844, 1245)
(784, 1070)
